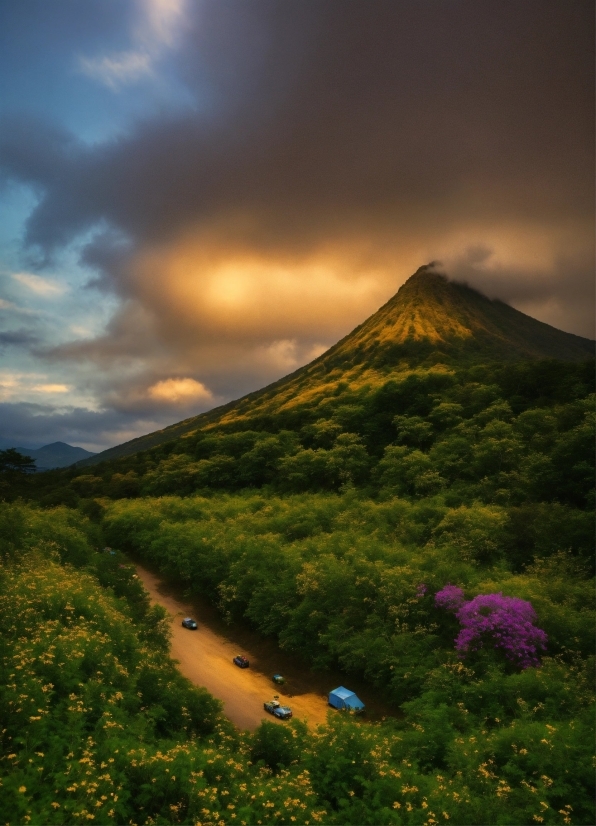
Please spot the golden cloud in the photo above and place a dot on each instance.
(176, 391)
(201, 289)
(51, 388)
(28, 386)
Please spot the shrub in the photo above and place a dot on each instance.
(506, 622)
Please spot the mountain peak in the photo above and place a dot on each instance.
(56, 454)
(429, 321)
(432, 319)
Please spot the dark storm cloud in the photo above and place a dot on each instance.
(18, 338)
(566, 289)
(34, 425)
(513, 285)
(325, 113)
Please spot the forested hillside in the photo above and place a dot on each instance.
(425, 522)
(430, 321)
(98, 726)
(508, 449)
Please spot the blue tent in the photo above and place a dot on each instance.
(343, 698)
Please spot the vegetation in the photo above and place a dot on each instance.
(98, 725)
(515, 438)
(424, 520)
(429, 322)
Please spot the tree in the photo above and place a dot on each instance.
(11, 461)
(277, 746)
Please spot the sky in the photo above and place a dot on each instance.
(199, 196)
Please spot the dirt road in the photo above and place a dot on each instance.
(205, 657)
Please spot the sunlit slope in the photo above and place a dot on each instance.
(430, 315)
(430, 321)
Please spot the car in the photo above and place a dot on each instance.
(189, 623)
(241, 661)
(278, 679)
(282, 712)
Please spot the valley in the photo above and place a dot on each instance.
(205, 658)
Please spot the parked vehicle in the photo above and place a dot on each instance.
(281, 712)
(189, 623)
(278, 679)
(241, 661)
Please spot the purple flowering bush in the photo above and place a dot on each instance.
(506, 623)
(450, 598)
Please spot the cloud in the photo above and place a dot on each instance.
(340, 131)
(50, 388)
(155, 30)
(559, 289)
(161, 20)
(287, 355)
(80, 331)
(18, 338)
(28, 386)
(39, 285)
(174, 391)
(118, 69)
(231, 324)
(31, 425)
(199, 288)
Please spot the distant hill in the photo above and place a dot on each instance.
(58, 454)
(429, 322)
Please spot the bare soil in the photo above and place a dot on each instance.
(205, 658)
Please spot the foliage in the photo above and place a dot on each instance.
(506, 623)
(503, 622)
(14, 468)
(451, 598)
(11, 461)
(330, 522)
(511, 435)
(98, 725)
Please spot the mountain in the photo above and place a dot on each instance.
(435, 319)
(429, 322)
(58, 454)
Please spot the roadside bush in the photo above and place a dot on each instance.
(276, 746)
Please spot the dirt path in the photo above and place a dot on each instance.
(205, 657)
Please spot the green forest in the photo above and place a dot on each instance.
(429, 530)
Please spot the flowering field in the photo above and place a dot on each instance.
(98, 726)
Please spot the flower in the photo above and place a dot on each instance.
(507, 622)
(451, 598)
